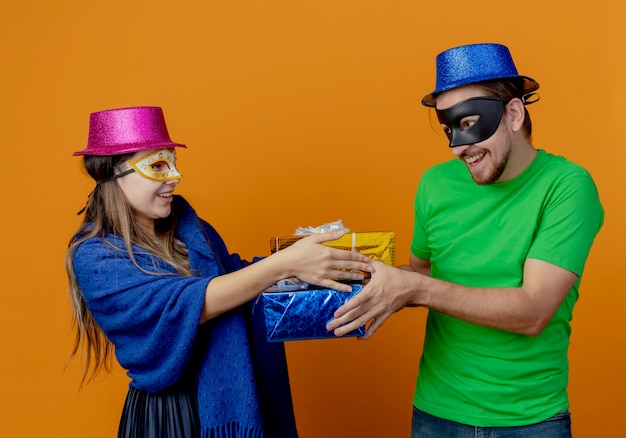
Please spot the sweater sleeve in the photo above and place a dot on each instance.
(152, 319)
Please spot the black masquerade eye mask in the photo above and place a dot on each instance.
(489, 111)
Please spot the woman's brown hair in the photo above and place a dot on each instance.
(108, 213)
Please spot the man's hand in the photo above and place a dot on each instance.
(387, 292)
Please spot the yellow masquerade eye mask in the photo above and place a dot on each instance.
(157, 166)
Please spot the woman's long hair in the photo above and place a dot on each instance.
(108, 212)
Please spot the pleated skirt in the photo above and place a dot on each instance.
(172, 413)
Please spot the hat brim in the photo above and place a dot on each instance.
(129, 148)
(430, 99)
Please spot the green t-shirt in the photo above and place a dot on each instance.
(480, 236)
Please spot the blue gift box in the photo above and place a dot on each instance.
(300, 315)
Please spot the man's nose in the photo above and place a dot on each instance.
(458, 150)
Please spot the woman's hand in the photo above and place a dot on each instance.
(322, 265)
(306, 259)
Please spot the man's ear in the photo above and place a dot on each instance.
(515, 112)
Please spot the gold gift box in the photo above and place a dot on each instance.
(377, 245)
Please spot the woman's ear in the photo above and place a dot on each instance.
(515, 113)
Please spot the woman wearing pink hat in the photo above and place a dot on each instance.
(153, 282)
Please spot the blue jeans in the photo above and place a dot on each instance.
(427, 426)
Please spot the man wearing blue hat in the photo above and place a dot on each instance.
(500, 240)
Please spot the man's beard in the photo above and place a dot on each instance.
(494, 173)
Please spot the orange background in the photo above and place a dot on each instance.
(296, 113)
